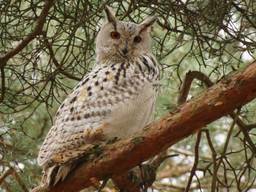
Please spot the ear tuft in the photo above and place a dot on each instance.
(149, 21)
(110, 15)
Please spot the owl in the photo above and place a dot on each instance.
(115, 100)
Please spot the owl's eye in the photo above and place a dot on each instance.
(115, 35)
(137, 39)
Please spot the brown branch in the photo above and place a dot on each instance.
(173, 170)
(37, 30)
(244, 130)
(5, 174)
(12, 171)
(190, 76)
(19, 181)
(196, 159)
(2, 84)
(250, 126)
(55, 62)
(214, 155)
(219, 100)
(6, 186)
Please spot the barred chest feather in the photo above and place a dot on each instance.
(120, 95)
(138, 104)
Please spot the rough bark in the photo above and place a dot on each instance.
(222, 98)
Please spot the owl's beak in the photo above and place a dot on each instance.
(125, 49)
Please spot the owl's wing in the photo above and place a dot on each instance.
(81, 118)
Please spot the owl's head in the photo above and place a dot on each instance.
(118, 40)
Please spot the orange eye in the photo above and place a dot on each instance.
(115, 35)
(137, 39)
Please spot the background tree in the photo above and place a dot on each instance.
(47, 46)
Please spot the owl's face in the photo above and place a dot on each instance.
(119, 40)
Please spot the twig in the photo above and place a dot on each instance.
(190, 76)
(6, 186)
(37, 30)
(6, 174)
(214, 155)
(2, 83)
(55, 62)
(193, 170)
(20, 182)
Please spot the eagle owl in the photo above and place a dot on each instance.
(115, 100)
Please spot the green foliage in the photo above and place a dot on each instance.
(214, 37)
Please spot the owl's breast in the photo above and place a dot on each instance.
(131, 115)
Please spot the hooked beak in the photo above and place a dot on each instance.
(125, 49)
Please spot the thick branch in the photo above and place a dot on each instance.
(219, 100)
(190, 76)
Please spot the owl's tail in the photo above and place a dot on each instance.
(53, 175)
(57, 173)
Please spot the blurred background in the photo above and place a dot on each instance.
(215, 37)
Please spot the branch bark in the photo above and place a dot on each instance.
(222, 98)
(190, 76)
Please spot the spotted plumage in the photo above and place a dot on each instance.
(115, 100)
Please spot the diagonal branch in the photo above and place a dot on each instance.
(6, 174)
(219, 100)
(196, 159)
(55, 62)
(37, 30)
(190, 76)
(19, 181)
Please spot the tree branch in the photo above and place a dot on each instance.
(5, 174)
(219, 100)
(19, 181)
(55, 62)
(2, 84)
(190, 76)
(37, 30)
(196, 159)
